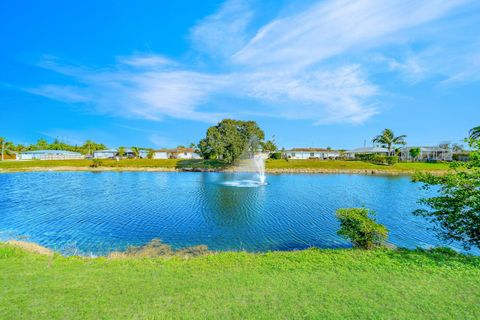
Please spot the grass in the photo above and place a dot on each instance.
(218, 165)
(334, 284)
(354, 165)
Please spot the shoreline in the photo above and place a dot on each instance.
(380, 172)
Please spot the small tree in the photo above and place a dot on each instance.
(363, 231)
(455, 212)
(121, 151)
(414, 153)
(269, 146)
(150, 154)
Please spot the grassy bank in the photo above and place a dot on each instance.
(354, 165)
(272, 165)
(342, 284)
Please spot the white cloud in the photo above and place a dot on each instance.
(146, 61)
(61, 93)
(224, 32)
(302, 65)
(139, 92)
(330, 28)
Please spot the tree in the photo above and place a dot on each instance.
(444, 145)
(136, 151)
(387, 139)
(455, 212)
(6, 147)
(269, 146)
(229, 139)
(474, 133)
(42, 144)
(121, 151)
(357, 226)
(414, 153)
(150, 154)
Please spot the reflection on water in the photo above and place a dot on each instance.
(82, 212)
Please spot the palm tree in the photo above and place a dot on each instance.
(387, 139)
(475, 133)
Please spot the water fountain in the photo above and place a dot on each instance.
(251, 163)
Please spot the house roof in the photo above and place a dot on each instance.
(50, 152)
(106, 151)
(310, 150)
(427, 149)
(369, 150)
(176, 150)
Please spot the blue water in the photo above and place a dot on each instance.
(94, 213)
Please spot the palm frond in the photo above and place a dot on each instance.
(475, 133)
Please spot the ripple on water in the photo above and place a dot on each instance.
(82, 212)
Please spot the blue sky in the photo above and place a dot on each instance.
(312, 73)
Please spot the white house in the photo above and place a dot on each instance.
(311, 153)
(105, 154)
(178, 153)
(49, 155)
(427, 154)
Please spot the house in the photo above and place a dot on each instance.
(105, 154)
(311, 153)
(112, 153)
(427, 154)
(49, 155)
(178, 153)
(366, 150)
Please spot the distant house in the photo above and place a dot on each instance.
(368, 150)
(105, 154)
(49, 155)
(178, 153)
(311, 153)
(112, 153)
(427, 154)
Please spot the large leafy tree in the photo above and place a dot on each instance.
(455, 212)
(229, 139)
(387, 139)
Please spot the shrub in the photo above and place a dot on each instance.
(363, 231)
(391, 160)
(96, 163)
(276, 155)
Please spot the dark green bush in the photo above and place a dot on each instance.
(96, 163)
(391, 160)
(377, 159)
(276, 155)
(363, 231)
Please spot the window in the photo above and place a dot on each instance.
(312, 154)
(293, 154)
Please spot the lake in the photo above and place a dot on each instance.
(94, 213)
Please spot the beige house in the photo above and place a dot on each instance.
(311, 153)
(178, 153)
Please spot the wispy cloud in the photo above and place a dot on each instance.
(138, 92)
(302, 65)
(224, 32)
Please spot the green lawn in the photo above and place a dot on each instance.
(353, 165)
(334, 284)
(216, 164)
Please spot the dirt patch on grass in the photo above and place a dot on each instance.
(31, 247)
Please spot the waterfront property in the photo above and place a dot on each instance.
(311, 153)
(49, 155)
(178, 153)
(427, 154)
